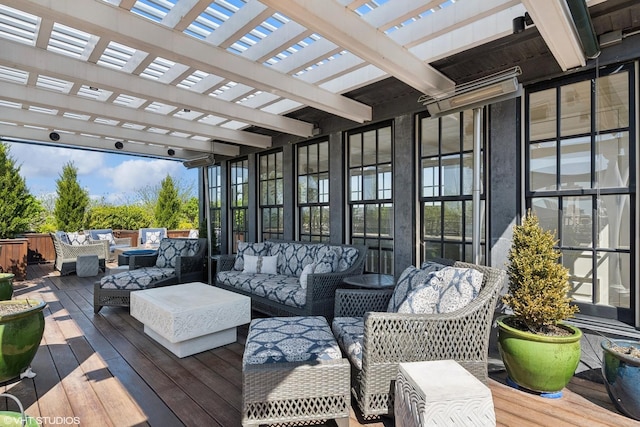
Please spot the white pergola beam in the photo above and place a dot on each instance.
(343, 27)
(104, 20)
(31, 135)
(553, 20)
(80, 105)
(37, 60)
(52, 122)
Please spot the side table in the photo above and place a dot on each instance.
(370, 281)
(123, 258)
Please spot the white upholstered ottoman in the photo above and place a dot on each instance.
(441, 393)
(192, 317)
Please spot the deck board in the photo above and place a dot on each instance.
(88, 365)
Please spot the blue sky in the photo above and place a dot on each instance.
(116, 177)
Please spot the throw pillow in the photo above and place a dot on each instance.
(430, 266)
(260, 264)
(107, 236)
(245, 248)
(410, 279)
(447, 290)
(306, 271)
(327, 262)
(153, 237)
(77, 239)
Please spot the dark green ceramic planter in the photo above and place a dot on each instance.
(540, 363)
(6, 286)
(20, 335)
(621, 374)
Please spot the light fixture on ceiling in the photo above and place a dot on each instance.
(494, 88)
(54, 136)
(520, 23)
(186, 110)
(93, 88)
(197, 162)
(119, 145)
(171, 152)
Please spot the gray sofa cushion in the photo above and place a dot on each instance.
(136, 279)
(280, 288)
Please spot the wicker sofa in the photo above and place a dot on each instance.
(376, 340)
(69, 246)
(291, 290)
(178, 260)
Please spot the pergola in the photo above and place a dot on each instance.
(179, 78)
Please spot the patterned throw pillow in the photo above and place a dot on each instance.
(430, 266)
(64, 238)
(77, 239)
(347, 256)
(327, 262)
(410, 279)
(260, 264)
(447, 290)
(107, 236)
(245, 248)
(170, 249)
(153, 237)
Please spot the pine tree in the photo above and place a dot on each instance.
(19, 210)
(538, 284)
(72, 201)
(167, 211)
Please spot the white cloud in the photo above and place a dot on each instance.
(131, 175)
(44, 161)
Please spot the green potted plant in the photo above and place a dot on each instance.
(540, 352)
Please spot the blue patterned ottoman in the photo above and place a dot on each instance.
(293, 371)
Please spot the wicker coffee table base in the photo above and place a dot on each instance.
(296, 392)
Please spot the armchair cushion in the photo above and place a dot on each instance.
(446, 290)
(292, 339)
(349, 332)
(278, 288)
(136, 279)
(293, 257)
(151, 236)
(347, 256)
(63, 236)
(77, 239)
(107, 236)
(245, 248)
(171, 249)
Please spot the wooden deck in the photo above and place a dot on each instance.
(102, 370)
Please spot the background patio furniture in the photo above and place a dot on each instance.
(67, 254)
(181, 262)
(392, 338)
(87, 265)
(151, 237)
(107, 234)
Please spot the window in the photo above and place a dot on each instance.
(239, 183)
(313, 191)
(215, 205)
(371, 195)
(580, 140)
(271, 196)
(446, 184)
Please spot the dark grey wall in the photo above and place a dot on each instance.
(404, 193)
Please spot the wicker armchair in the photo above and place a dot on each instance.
(392, 338)
(187, 269)
(66, 254)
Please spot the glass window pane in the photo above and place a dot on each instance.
(431, 220)
(613, 101)
(575, 163)
(371, 220)
(580, 265)
(432, 250)
(452, 250)
(369, 183)
(277, 165)
(356, 184)
(323, 188)
(386, 220)
(357, 220)
(302, 159)
(612, 160)
(264, 193)
(430, 177)
(384, 145)
(614, 222)
(323, 157)
(451, 175)
(369, 148)
(542, 166)
(546, 209)
(614, 278)
(467, 130)
(279, 189)
(542, 114)
(575, 108)
(264, 167)
(326, 219)
(355, 150)
(384, 182)
(467, 173)
(577, 219)
(302, 189)
(453, 217)
(305, 220)
(429, 135)
(451, 133)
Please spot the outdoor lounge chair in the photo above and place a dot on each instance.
(151, 237)
(107, 234)
(68, 253)
(178, 260)
(391, 338)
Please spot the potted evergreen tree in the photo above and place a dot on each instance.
(540, 352)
